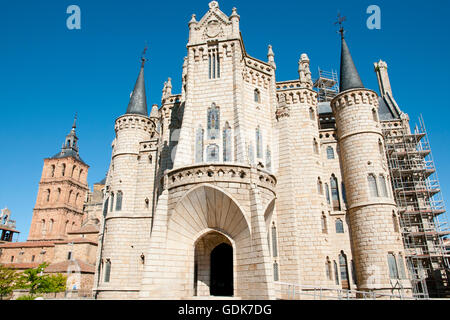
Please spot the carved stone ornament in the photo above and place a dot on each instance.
(213, 28)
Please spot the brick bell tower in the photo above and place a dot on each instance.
(61, 194)
(371, 205)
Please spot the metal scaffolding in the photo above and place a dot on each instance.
(421, 210)
(326, 85)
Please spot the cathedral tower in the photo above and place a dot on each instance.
(61, 194)
(371, 207)
(128, 197)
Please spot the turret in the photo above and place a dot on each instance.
(304, 73)
(370, 203)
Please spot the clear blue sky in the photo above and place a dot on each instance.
(47, 72)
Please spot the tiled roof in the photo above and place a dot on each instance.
(77, 240)
(28, 244)
(85, 229)
(24, 265)
(64, 266)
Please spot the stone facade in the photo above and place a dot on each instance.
(240, 162)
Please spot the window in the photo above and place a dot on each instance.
(73, 170)
(257, 96)
(76, 198)
(328, 268)
(112, 203)
(63, 172)
(58, 194)
(382, 182)
(393, 272)
(105, 207)
(43, 226)
(52, 174)
(199, 145)
(32, 258)
(374, 115)
(336, 273)
(339, 226)
(373, 189)
(315, 146)
(69, 255)
(107, 270)
(324, 223)
(251, 156)
(50, 226)
(344, 196)
(355, 279)
(81, 172)
(330, 153)
(395, 222)
(401, 266)
(319, 186)
(311, 114)
(212, 153)
(226, 143)
(70, 196)
(259, 144)
(274, 241)
(275, 271)
(12, 258)
(119, 201)
(214, 63)
(213, 120)
(335, 193)
(381, 148)
(344, 271)
(48, 195)
(268, 159)
(327, 193)
(65, 226)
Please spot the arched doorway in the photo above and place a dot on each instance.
(222, 270)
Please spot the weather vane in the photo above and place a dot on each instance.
(143, 59)
(339, 21)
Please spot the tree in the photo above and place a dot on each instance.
(37, 282)
(8, 281)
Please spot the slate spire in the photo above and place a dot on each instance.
(138, 100)
(349, 75)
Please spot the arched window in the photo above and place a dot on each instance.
(274, 241)
(50, 226)
(339, 226)
(58, 194)
(324, 223)
(107, 270)
(319, 186)
(259, 143)
(336, 272)
(393, 271)
(382, 182)
(48, 195)
(344, 271)
(73, 170)
(268, 159)
(395, 222)
(330, 153)
(52, 172)
(257, 96)
(65, 226)
(199, 145)
(79, 175)
(335, 193)
(315, 146)
(119, 201)
(112, 202)
(380, 148)
(105, 207)
(374, 115)
(327, 193)
(328, 268)
(212, 153)
(76, 198)
(63, 171)
(70, 197)
(373, 189)
(226, 143)
(43, 226)
(213, 122)
(275, 271)
(312, 115)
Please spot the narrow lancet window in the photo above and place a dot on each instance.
(226, 143)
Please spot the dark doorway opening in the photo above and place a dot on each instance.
(222, 270)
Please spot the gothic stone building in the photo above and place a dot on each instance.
(240, 183)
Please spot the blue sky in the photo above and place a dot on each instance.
(48, 72)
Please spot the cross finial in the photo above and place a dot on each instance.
(340, 21)
(74, 121)
(143, 59)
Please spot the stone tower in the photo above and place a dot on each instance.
(61, 195)
(128, 197)
(371, 206)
